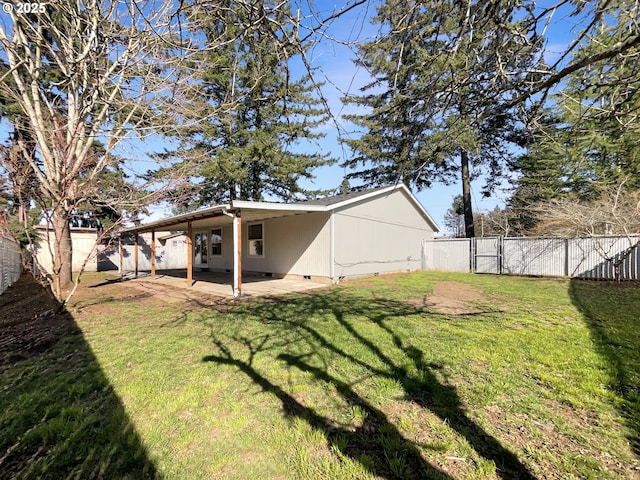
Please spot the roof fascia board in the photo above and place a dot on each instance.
(366, 196)
(248, 205)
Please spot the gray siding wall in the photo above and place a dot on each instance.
(380, 235)
(296, 244)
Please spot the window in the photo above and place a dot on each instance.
(256, 240)
(216, 241)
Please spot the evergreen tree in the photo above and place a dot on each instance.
(443, 71)
(589, 140)
(344, 187)
(454, 217)
(251, 148)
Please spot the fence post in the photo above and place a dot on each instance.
(472, 255)
(566, 257)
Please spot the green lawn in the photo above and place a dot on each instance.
(540, 380)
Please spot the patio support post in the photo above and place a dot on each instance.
(121, 265)
(153, 254)
(189, 254)
(135, 252)
(237, 254)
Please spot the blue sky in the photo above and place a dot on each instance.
(341, 76)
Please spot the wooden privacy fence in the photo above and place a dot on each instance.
(601, 257)
(10, 263)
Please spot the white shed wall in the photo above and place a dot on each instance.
(383, 234)
(82, 244)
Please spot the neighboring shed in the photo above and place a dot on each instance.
(358, 233)
(83, 243)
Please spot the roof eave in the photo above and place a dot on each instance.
(246, 204)
(178, 219)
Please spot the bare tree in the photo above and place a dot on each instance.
(496, 222)
(616, 211)
(86, 76)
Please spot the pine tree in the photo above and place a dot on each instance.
(248, 115)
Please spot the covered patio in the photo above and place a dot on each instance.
(229, 216)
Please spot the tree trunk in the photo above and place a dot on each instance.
(466, 195)
(62, 252)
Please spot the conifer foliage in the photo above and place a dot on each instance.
(249, 112)
(444, 74)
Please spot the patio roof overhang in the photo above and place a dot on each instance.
(219, 215)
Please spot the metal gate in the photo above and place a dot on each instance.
(487, 255)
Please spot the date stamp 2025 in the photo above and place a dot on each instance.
(24, 8)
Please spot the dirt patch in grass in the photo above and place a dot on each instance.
(30, 321)
(169, 294)
(97, 293)
(452, 298)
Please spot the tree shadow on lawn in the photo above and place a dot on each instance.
(612, 313)
(59, 415)
(378, 445)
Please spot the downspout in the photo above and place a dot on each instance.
(332, 248)
(236, 260)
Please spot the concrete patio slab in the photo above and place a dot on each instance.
(221, 284)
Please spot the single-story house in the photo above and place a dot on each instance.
(358, 233)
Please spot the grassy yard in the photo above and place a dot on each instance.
(524, 378)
